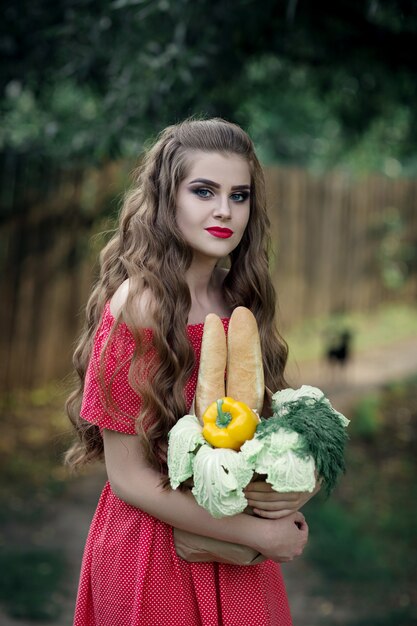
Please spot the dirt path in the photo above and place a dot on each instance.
(70, 520)
(367, 371)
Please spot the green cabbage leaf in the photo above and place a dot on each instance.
(184, 440)
(281, 401)
(322, 430)
(281, 457)
(220, 475)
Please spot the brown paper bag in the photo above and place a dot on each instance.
(199, 549)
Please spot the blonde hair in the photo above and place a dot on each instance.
(148, 248)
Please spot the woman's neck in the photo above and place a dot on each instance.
(202, 283)
(206, 295)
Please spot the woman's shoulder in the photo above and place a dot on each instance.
(142, 302)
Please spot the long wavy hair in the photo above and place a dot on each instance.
(149, 250)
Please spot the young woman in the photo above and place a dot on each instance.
(198, 203)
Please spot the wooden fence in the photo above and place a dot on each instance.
(338, 240)
(327, 234)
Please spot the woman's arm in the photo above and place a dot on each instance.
(134, 482)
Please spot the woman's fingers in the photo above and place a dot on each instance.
(273, 505)
(273, 514)
(276, 505)
(263, 492)
(272, 497)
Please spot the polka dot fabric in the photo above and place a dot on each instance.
(131, 574)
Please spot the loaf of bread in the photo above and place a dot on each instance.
(245, 374)
(210, 382)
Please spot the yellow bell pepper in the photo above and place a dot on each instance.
(228, 423)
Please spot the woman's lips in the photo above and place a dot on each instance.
(223, 233)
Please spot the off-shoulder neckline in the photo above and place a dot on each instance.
(110, 314)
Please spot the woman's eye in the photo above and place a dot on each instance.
(202, 193)
(240, 196)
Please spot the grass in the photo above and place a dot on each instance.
(363, 538)
(32, 477)
(34, 438)
(31, 582)
(386, 325)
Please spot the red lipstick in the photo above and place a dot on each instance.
(217, 231)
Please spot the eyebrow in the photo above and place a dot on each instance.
(206, 181)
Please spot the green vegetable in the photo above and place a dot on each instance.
(281, 401)
(220, 475)
(280, 456)
(309, 413)
(184, 439)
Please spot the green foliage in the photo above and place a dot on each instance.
(57, 124)
(31, 582)
(322, 434)
(288, 128)
(396, 254)
(404, 616)
(32, 475)
(366, 420)
(35, 436)
(90, 81)
(341, 548)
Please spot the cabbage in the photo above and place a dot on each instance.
(220, 474)
(184, 439)
(289, 472)
(281, 457)
(344, 420)
(322, 429)
(281, 400)
(290, 395)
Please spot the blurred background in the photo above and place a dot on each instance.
(328, 93)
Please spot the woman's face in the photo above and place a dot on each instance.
(213, 203)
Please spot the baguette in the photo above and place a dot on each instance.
(245, 374)
(211, 373)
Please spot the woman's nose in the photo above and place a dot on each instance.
(223, 207)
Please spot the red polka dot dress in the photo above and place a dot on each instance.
(131, 574)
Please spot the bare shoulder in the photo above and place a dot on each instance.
(142, 301)
(119, 298)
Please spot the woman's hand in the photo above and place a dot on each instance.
(283, 539)
(273, 505)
